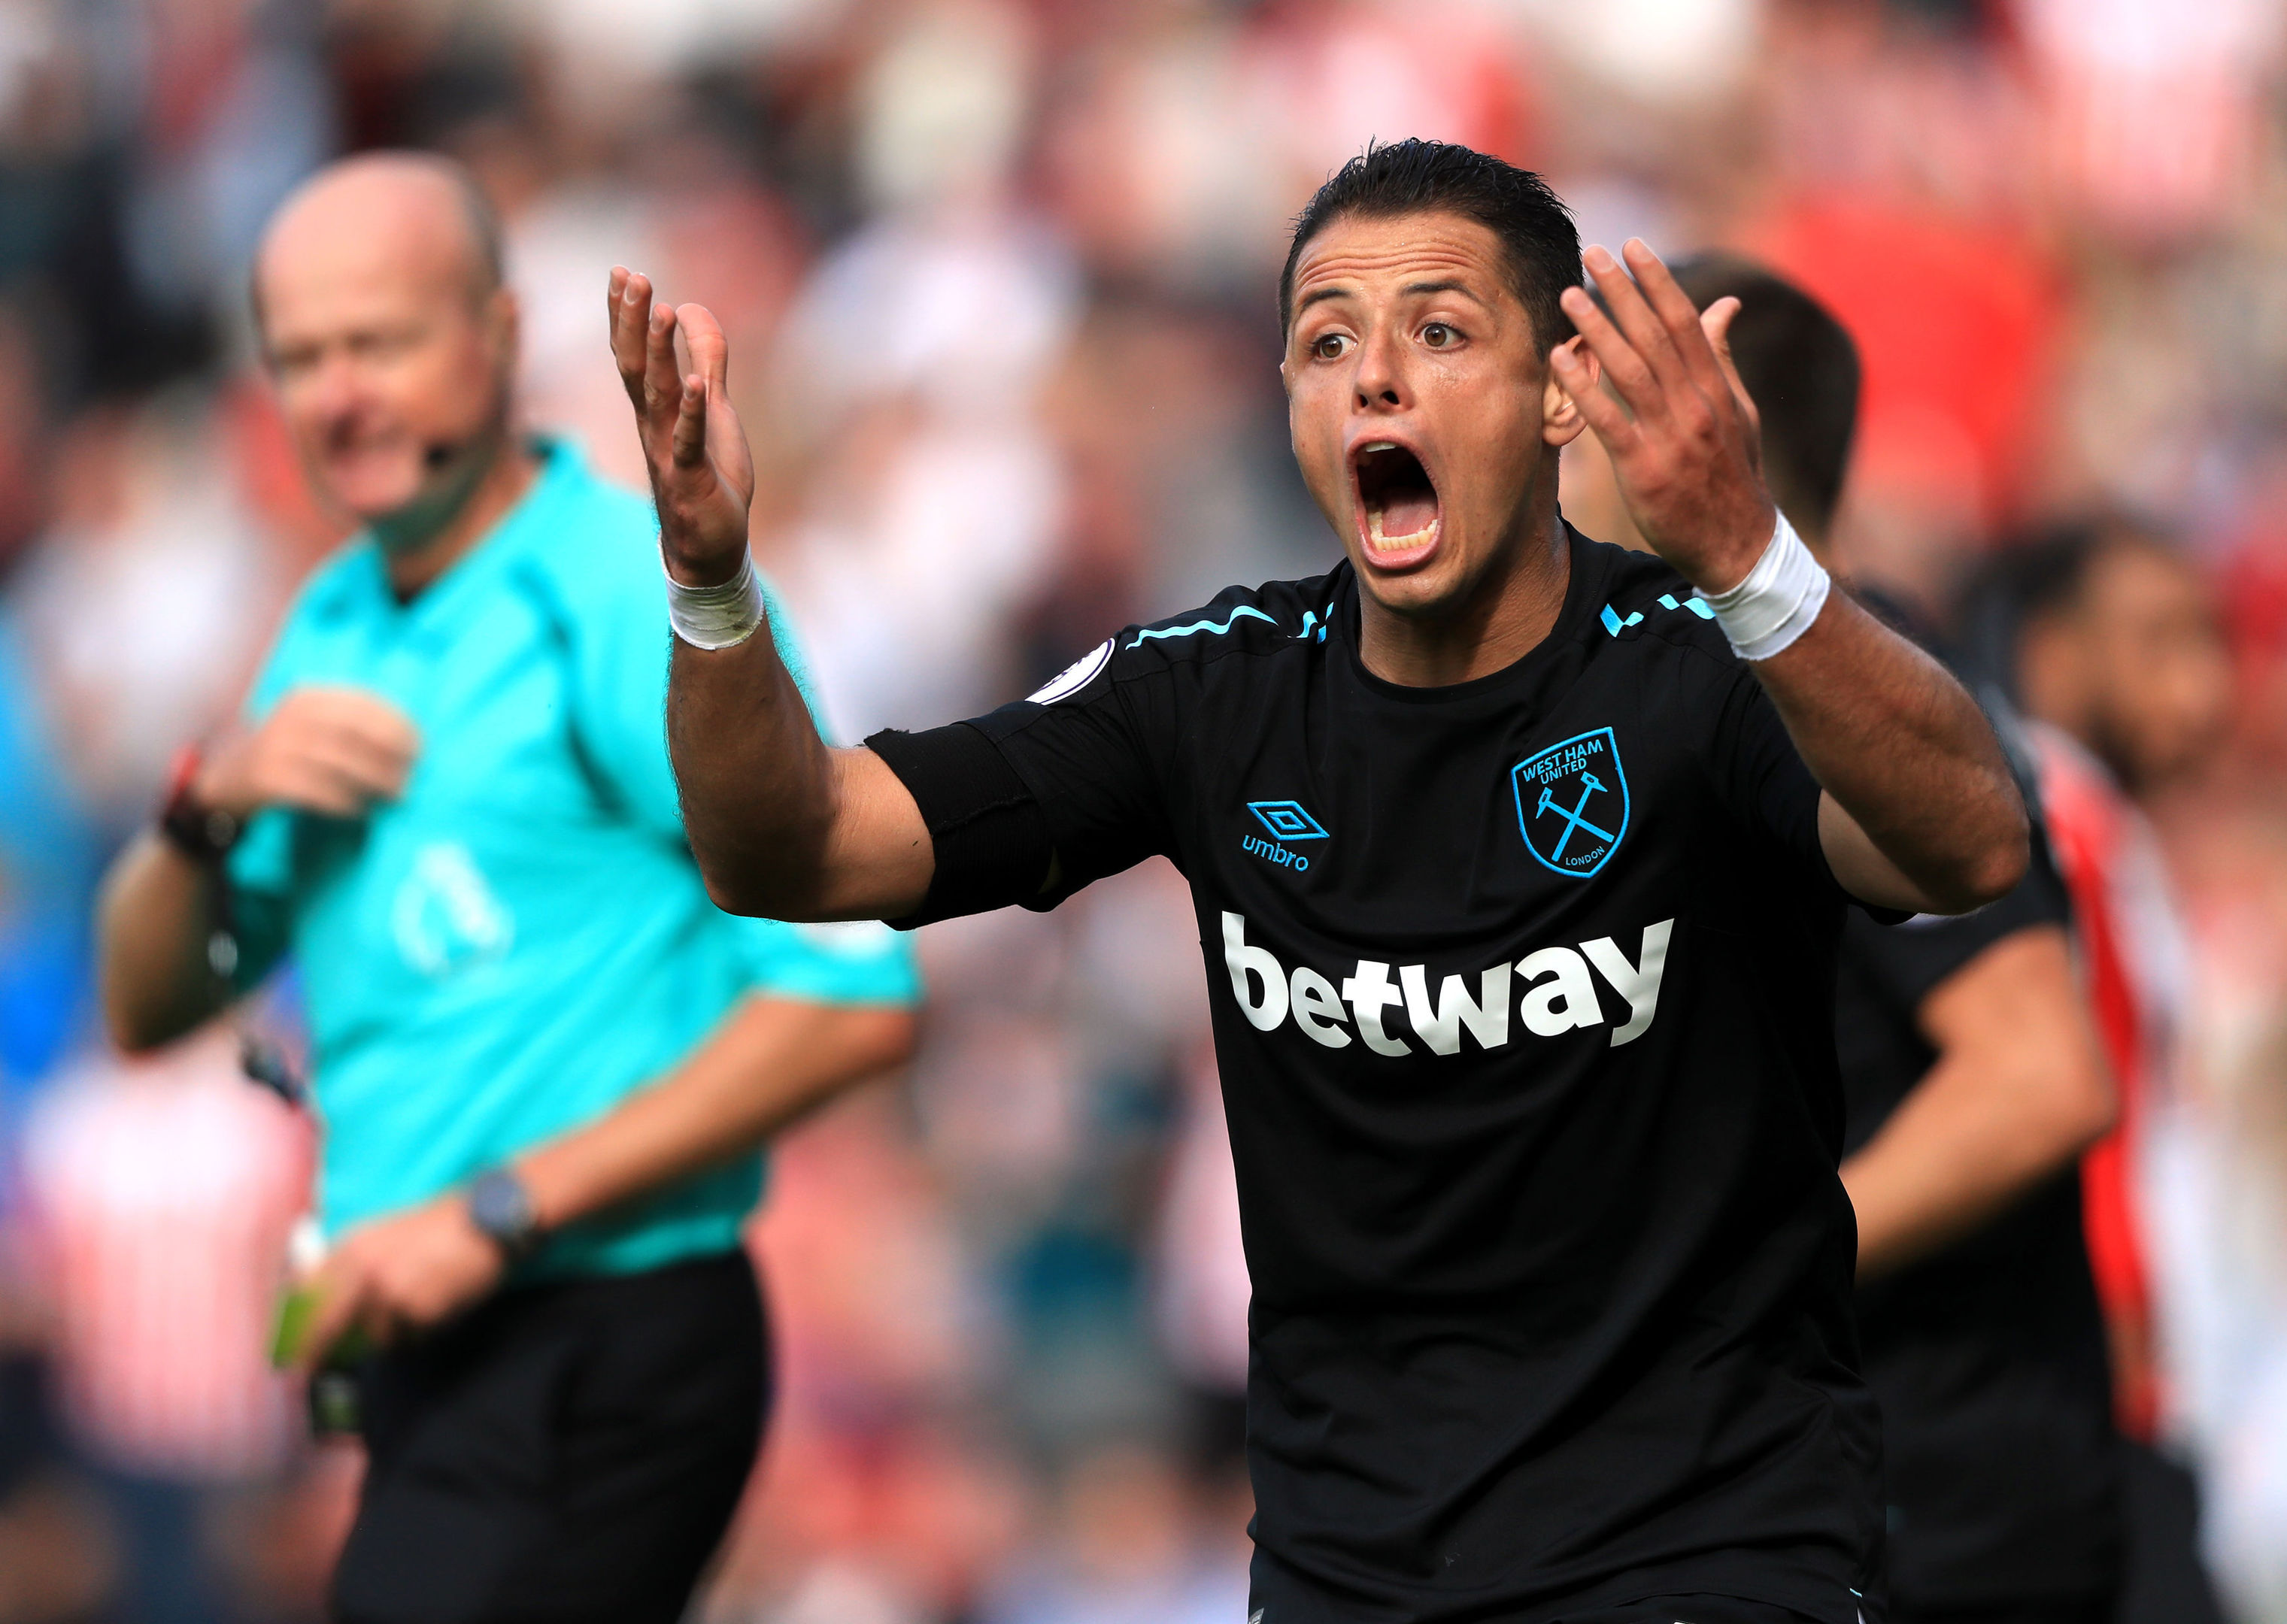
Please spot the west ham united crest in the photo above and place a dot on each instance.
(1572, 802)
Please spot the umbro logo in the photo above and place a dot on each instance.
(1286, 821)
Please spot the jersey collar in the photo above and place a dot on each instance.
(562, 471)
(1583, 590)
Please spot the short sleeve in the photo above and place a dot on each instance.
(1907, 962)
(1030, 803)
(260, 872)
(858, 962)
(260, 868)
(1090, 762)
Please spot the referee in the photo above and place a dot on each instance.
(1519, 870)
(542, 1059)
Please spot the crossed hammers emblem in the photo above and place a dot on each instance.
(1573, 822)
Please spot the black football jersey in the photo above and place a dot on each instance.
(1522, 996)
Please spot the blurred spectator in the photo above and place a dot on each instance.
(2109, 642)
(1955, 324)
(149, 522)
(47, 873)
(160, 1194)
(1123, 1548)
(2154, 112)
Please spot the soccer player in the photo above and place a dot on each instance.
(1974, 1081)
(2110, 641)
(1519, 869)
(542, 1058)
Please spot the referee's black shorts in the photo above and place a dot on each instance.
(568, 1452)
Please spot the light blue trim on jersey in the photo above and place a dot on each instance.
(1244, 611)
(1614, 625)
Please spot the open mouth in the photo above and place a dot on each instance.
(1396, 497)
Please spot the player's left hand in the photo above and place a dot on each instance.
(402, 1274)
(1681, 434)
(702, 470)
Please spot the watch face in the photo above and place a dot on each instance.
(500, 1207)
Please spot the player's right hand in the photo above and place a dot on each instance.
(334, 751)
(702, 474)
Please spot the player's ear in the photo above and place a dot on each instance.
(503, 323)
(1561, 420)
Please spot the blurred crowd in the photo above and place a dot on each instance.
(998, 277)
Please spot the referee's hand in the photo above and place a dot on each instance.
(401, 1274)
(702, 475)
(1683, 435)
(335, 751)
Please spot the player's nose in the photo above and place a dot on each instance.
(1380, 383)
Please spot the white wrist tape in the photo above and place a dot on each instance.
(1778, 602)
(715, 617)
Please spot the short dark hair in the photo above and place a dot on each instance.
(1801, 370)
(2041, 575)
(1417, 177)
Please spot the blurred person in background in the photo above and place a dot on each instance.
(1974, 1080)
(159, 1194)
(1557, 1329)
(1124, 1550)
(542, 1058)
(2110, 641)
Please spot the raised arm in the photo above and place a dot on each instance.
(1919, 810)
(333, 751)
(781, 826)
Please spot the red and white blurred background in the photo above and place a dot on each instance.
(998, 275)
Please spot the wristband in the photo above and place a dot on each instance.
(715, 617)
(200, 832)
(1775, 605)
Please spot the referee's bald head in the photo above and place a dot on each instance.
(427, 204)
(389, 335)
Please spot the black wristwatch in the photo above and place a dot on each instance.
(501, 1208)
(203, 833)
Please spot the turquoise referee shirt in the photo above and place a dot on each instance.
(523, 940)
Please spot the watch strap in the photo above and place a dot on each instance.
(203, 833)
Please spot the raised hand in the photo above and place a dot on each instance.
(702, 474)
(330, 750)
(1683, 435)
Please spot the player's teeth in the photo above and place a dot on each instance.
(1393, 543)
(1379, 446)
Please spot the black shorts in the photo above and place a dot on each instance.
(1279, 1595)
(569, 1451)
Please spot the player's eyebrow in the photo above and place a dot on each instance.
(1447, 284)
(1339, 290)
